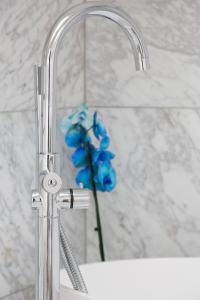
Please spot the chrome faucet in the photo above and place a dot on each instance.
(49, 196)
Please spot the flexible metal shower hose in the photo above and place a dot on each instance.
(70, 263)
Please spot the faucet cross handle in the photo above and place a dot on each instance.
(65, 198)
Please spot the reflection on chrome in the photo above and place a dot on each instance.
(49, 197)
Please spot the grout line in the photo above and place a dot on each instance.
(110, 107)
(143, 107)
(16, 292)
(17, 111)
(136, 107)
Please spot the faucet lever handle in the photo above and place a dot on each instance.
(74, 199)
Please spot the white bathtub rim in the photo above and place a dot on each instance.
(71, 294)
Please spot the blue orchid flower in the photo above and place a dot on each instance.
(75, 136)
(105, 177)
(94, 159)
(101, 156)
(84, 178)
(99, 129)
(80, 157)
(76, 128)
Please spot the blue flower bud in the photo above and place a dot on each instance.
(98, 127)
(82, 117)
(105, 142)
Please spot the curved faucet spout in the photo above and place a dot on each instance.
(63, 24)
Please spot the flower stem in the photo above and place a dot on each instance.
(98, 217)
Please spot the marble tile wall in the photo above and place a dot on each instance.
(17, 225)
(170, 29)
(26, 293)
(153, 119)
(154, 211)
(24, 26)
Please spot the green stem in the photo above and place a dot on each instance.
(98, 218)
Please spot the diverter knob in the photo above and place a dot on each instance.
(52, 183)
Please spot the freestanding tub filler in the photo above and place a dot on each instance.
(49, 196)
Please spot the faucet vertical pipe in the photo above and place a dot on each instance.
(48, 220)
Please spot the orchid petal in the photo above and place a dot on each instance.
(106, 177)
(101, 156)
(75, 136)
(84, 177)
(79, 157)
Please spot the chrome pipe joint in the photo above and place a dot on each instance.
(65, 199)
(49, 196)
